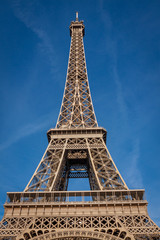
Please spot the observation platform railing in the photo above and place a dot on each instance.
(75, 196)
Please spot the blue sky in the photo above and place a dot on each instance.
(122, 46)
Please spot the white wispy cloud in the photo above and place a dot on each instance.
(27, 130)
(24, 11)
(134, 174)
(111, 47)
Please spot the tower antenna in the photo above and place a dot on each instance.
(77, 16)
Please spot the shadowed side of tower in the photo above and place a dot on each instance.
(77, 149)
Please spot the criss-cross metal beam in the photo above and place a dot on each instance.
(77, 108)
(77, 149)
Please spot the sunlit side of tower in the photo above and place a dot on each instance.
(77, 149)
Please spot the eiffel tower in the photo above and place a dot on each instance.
(77, 149)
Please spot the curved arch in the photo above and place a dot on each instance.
(79, 234)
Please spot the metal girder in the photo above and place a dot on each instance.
(118, 227)
(61, 154)
(77, 109)
(77, 149)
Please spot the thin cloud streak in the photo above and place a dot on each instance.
(134, 174)
(25, 15)
(120, 97)
(27, 130)
(111, 49)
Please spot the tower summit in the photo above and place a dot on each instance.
(77, 109)
(77, 149)
(76, 16)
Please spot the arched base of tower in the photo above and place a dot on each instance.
(138, 227)
(75, 234)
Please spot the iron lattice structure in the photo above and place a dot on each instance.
(77, 149)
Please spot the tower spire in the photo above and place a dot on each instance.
(76, 16)
(77, 109)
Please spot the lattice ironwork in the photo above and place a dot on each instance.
(108, 225)
(46, 171)
(77, 149)
(139, 224)
(54, 168)
(77, 109)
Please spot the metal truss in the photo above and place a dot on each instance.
(74, 158)
(77, 149)
(77, 109)
(95, 227)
